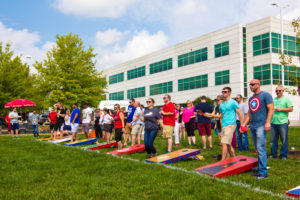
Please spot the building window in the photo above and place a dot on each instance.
(192, 57)
(116, 96)
(222, 49)
(289, 44)
(136, 93)
(262, 73)
(291, 74)
(161, 66)
(136, 73)
(193, 82)
(222, 77)
(261, 44)
(161, 88)
(116, 78)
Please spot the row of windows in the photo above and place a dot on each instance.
(192, 57)
(116, 96)
(136, 73)
(136, 93)
(222, 77)
(222, 49)
(161, 88)
(116, 78)
(161, 66)
(193, 82)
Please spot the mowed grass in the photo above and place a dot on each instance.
(30, 169)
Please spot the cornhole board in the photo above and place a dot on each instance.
(64, 139)
(103, 145)
(294, 154)
(81, 142)
(229, 167)
(174, 156)
(128, 150)
(295, 192)
(49, 138)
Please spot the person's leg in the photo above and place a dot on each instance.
(245, 141)
(203, 137)
(283, 132)
(107, 136)
(37, 130)
(17, 130)
(188, 133)
(202, 133)
(274, 140)
(152, 137)
(239, 136)
(224, 151)
(147, 142)
(169, 133)
(133, 137)
(176, 133)
(33, 130)
(231, 150)
(208, 132)
(262, 151)
(253, 136)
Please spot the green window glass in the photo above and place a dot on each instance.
(116, 78)
(262, 73)
(222, 49)
(192, 57)
(261, 44)
(161, 66)
(193, 82)
(161, 88)
(116, 96)
(136, 73)
(290, 45)
(291, 75)
(222, 77)
(136, 93)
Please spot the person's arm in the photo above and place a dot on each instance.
(289, 109)
(122, 120)
(142, 118)
(49, 119)
(160, 121)
(269, 117)
(75, 117)
(177, 116)
(136, 117)
(91, 118)
(239, 113)
(247, 118)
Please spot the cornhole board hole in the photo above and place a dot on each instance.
(294, 154)
(295, 192)
(60, 140)
(81, 142)
(128, 150)
(229, 167)
(103, 145)
(174, 156)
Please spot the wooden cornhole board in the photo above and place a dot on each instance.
(295, 192)
(174, 156)
(229, 167)
(128, 150)
(49, 138)
(60, 140)
(81, 142)
(102, 145)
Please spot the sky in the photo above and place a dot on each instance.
(121, 30)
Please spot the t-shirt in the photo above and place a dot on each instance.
(86, 115)
(53, 117)
(188, 114)
(244, 109)
(130, 113)
(67, 120)
(151, 116)
(7, 119)
(203, 108)
(281, 117)
(14, 120)
(228, 110)
(258, 107)
(61, 119)
(138, 110)
(107, 119)
(169, 119)
(34, 118)
(77, 120)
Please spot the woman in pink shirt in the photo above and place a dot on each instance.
(188, 118)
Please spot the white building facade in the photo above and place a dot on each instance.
(230, 56)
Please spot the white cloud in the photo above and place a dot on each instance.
(108, 37)
(93, 8)
(140, 44)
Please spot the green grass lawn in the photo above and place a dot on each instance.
(30, 169)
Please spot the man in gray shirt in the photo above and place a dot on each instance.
(242, 138)
(14, 122)
(34, 119)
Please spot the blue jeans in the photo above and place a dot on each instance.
(259, 138)
(35, 129)
(242, 138)
(149, 137)
(279, 130)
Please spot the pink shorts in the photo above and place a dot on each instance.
(204, 129)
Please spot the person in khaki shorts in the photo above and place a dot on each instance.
(137, 124)
(168, 114)
(129, 118)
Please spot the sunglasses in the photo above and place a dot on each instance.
(252, 84)
(148, 101)
(278, 90)
(224, 92)
(115, 108)
(165, 98)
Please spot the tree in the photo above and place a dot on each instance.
(68, 74)
(15, 79)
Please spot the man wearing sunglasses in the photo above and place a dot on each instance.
(168, 114)
(279, 123)
(128, 127)
(261, 109)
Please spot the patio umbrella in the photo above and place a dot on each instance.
(19, 103)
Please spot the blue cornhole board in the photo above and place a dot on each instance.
(81, 142)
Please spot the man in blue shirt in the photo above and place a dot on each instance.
(75, 120)
(128, 127)
(261, 109)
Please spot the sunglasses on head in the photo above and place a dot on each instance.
(115, 107)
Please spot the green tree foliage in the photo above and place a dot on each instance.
(68, 74)
(16, 82)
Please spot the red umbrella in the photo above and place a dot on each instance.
(19, 103)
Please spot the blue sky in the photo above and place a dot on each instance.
(120, 30)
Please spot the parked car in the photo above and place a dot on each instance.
(43, 118)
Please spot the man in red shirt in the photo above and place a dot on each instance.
(168, 114)
(8, 124)
(52, 117)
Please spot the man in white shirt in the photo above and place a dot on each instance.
(14, 122)
(137, 124)
(242, 138)
(87, 116)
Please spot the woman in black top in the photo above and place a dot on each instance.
(97, 126)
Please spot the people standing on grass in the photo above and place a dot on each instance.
(203, 122)
(261, 109)
(128, 127)
(61, 112)
(181, 127)
(177, 125)
(143, 124)
(75, 120)
(52, 118)
(188, 117)
(67, 125)
(97, 126)
(168, 114)
(119, 124)
(279, 124)
(14, 123)
(216, 112)
(136, 124)
(106, 121)
(152, 119)
(87, 116)
(242, 138)
(34, 119)
(7, 120)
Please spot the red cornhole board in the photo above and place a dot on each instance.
(174, 156)
(128, 150)
(229, 167)
(102, 146)
(295, 192)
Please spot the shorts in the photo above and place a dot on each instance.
(14, 126)
(118, 136)
(137, 129)
(204, 129)
(112, 126)
(168, 131)
(67, 127)
(86, 127)
(227, 134)
(128, 128)
(52, 127)
(74, 127)
(58, 126)
(106, 127)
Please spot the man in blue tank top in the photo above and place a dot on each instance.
(128, 127)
